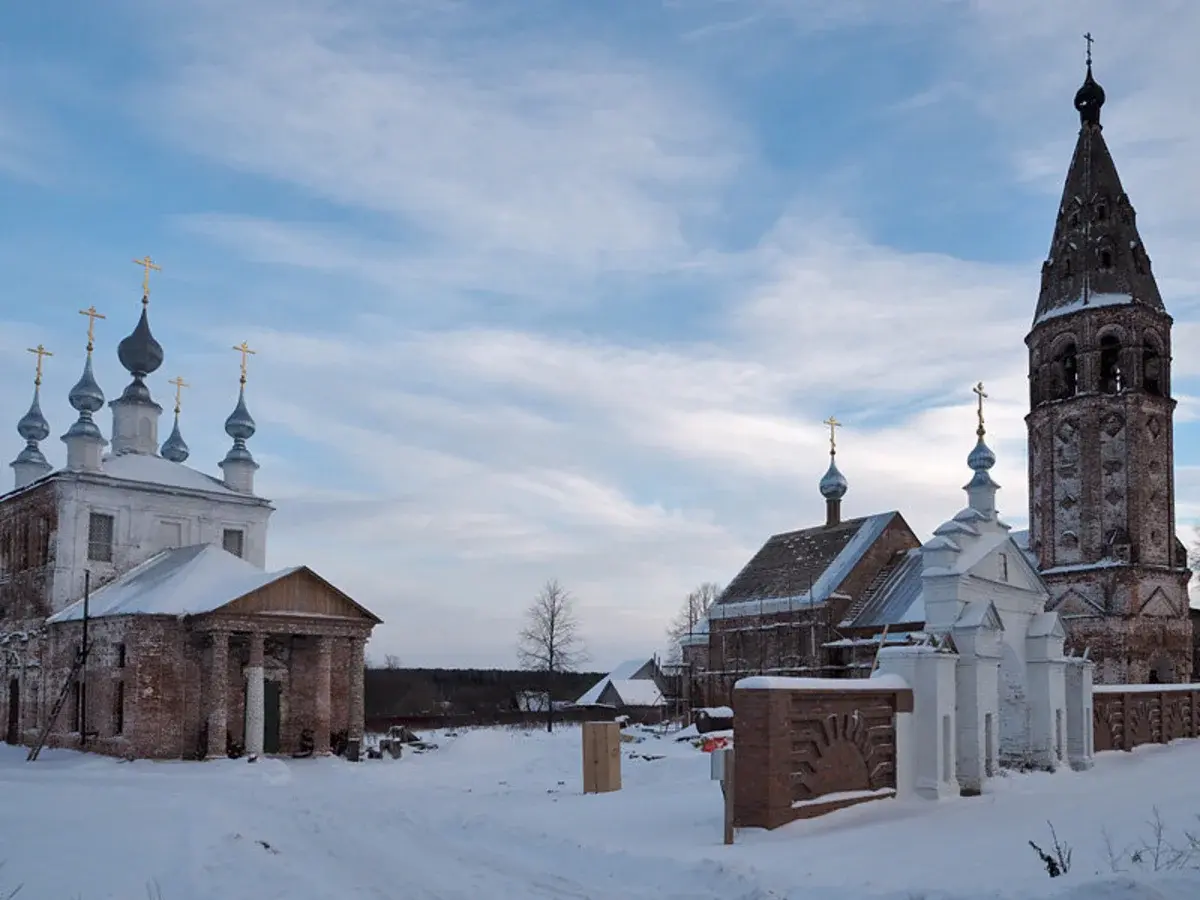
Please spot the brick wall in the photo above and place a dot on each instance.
(795, 746)
(1127, 716)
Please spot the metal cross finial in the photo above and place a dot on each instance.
(92, 315)
(41, 352)
(146, 263)
(979, 393)
(179, 384)
(834, 425)
(244, 349)
(1088, 37)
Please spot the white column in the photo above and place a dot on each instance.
(1079, 713)
(930, 672)
(255, 698)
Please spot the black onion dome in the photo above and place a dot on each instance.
(140, 353)
(1088, 100)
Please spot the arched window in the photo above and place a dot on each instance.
(1152, 370)
(1101, 213)
(1106, 259)
(1112, 380)
(1066, 372)
(1067, 267)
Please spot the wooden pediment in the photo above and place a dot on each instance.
(300, 592)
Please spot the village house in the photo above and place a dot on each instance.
(157, 571)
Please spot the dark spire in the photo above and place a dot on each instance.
(1096, 255)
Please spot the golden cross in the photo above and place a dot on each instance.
(41, 352)
(834, 425)
(180, 384)
(92, 315)
(978, 392)
(244, 349)
(146, 263)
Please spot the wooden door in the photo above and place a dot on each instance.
(271, 717)
(13, 735)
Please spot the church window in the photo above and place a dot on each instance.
(1074, 219)
(120, 656)
(1152, 370)
(119, 708)
(1004, 566)
(1066, 373)
(1067, 267)
(1106, 259)
(233, 540)
(1101, 213)
(100, 537)
(1112, 379)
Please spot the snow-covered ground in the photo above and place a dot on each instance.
(496, 813)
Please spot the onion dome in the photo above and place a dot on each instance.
(833, 483)
(240, 424)
(1089, 98)
(140, 353)
(175, 448)
(33, 426)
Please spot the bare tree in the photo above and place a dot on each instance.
(694, 609)
(392, 661)
(550, 640)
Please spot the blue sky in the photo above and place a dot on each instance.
(550, 289)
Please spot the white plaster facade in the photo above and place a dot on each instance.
(147, 517)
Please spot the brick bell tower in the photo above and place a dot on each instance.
(1101, 455)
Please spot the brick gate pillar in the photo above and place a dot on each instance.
(322, 702)
(255, 698)
(356, 710)
(218, 698)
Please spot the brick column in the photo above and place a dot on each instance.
(255, 698)
(322, 701)
(356, 711)
(218, 698)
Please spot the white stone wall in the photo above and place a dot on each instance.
(145, 520)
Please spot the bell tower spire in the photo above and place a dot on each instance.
(31, 464)
(1100, 428)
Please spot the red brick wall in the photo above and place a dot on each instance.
(793, 747)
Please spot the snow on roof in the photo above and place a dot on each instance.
(898, 599)
(1084, 302)
(638, 692)
(629, 669)
(156, 470)
(183, 582)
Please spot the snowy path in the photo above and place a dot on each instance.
(498, 814)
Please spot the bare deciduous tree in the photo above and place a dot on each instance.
(392, 661)
(550, 641)
(694, 609)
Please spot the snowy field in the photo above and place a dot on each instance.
(496, 813)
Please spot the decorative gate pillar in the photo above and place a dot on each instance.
(356, 710)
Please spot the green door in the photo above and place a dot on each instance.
(271, 717)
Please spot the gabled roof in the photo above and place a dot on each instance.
(187, 581)
(979, 614)
(142, 467)
(1046, 624)
(897, 598)
(803, 567)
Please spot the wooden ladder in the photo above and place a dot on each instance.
(72, 678)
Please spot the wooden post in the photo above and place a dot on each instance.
(601, 757)
(727, 786)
